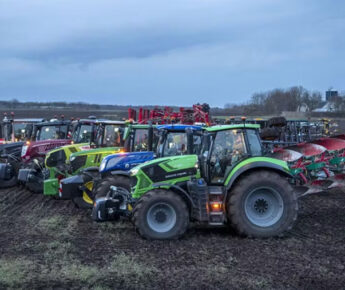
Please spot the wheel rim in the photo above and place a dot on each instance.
(264, 206)
(161, 217)
(86, 197)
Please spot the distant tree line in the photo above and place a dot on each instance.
(276, 101)
(15, 104)
(272, 102)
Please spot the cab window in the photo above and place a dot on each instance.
(227, 150)
(254, 143)
(82, 134)
(141, 140)
(112, 136)
(52, 132)
(175, 144)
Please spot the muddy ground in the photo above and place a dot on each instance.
(48, 243)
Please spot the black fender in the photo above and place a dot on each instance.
(179, 190)
(255, 166)
(120, 172)
(89, 169)
(88, 172)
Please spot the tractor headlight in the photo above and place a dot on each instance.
(133, 171)
(103, 164)
(24, 150)
(72, 158)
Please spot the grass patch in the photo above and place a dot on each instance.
(58, 251)
(125, 266)
(62, 267)
(52, 224)
(14, 272)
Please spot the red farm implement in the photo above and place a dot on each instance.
(197, 114)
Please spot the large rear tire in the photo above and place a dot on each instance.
(262, 204)
(269, 133)
(277, 122)
(160, 215)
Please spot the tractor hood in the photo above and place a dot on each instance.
(61, 154)
(73, 148)
(167, 170)
(125, 161)
(175, 160)
(40, 148)
(95, 151)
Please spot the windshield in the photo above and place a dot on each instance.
(141, 140)
(82, 133)
(21, 130)
(175, 143)
(112, 136)
(52, 132)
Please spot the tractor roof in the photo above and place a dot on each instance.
(110, 122)
(142, 126)
(90, 120)
(234, 126)
(179, 127)
(53, 123)
(25, 120)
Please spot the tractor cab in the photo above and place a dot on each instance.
(179, 140)
(224, 147)
(46, 136)
(107, 133)
(82, 130)
(17, 130)
(53, 130)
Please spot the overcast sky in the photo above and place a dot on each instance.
(168, 52)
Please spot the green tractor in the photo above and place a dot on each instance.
(103, 137)
(230, 182)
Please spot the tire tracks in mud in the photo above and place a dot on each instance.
(290, 262)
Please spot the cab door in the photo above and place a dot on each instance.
(228, 148)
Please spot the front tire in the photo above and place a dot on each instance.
(6, 183)
(161, 215)
(113, 180)
(262, 204)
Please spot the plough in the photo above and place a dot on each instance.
(317, 166)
